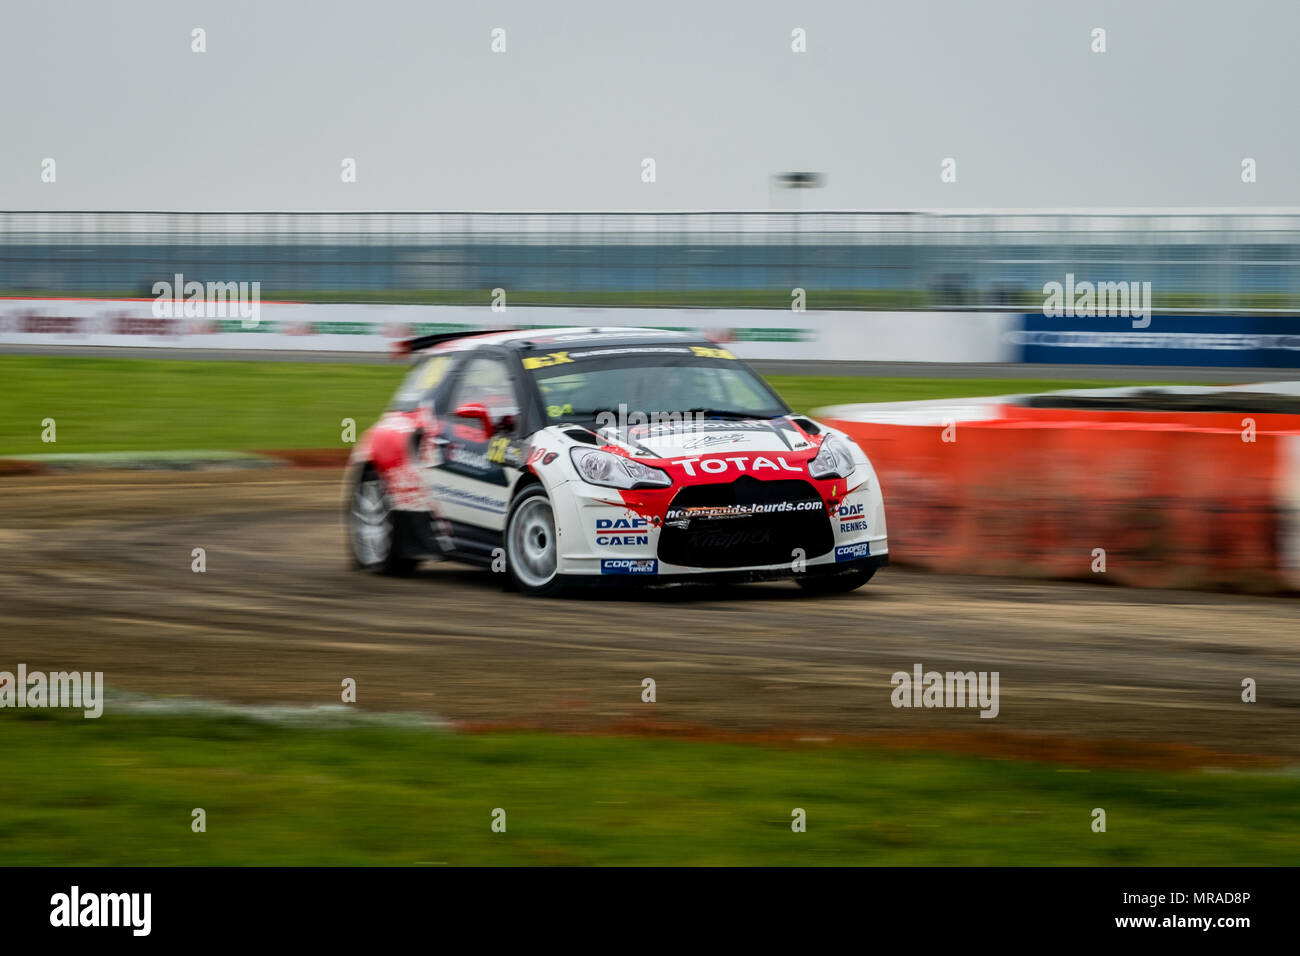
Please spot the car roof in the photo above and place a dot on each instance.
(572, 336)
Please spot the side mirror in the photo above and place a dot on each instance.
(479, 413)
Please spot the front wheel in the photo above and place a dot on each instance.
(532, 547)
(836, 583)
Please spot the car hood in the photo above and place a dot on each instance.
(697, 438)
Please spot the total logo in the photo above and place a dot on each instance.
(621, 532)
(714, 466)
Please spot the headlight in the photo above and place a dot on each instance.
(834, 459)
(614, 471)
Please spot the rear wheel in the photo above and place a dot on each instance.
(372, 528)
(836, 583)
(532, 547)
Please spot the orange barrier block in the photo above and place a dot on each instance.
(1262, 421)
(1156, 504)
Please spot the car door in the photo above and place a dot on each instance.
(477, 459)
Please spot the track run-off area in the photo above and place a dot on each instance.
(96, 575)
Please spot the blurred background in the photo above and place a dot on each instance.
(1228, 262)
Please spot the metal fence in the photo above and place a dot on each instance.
(1222, 262)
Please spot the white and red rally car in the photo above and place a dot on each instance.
(577, 456)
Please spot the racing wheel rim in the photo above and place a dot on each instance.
(532, 542)
(372, 523)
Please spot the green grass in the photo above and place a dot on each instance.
(158, 404)
(105, 404)
(120, 791)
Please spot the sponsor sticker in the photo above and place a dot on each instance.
(851, 552)
(469, 499)
(851, 518)
(730, 539)
(546, 361)
(622, 532)
(713, 466)
(704, 351)
(681, 517)
(629, 566)
(710, 441)
(474, 460)
(540, 456)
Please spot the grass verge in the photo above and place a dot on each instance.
(123, 789)
(106, 404)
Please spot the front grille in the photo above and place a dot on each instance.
(770, 537)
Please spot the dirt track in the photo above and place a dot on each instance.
(95, 574)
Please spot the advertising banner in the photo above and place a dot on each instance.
(1231, 341)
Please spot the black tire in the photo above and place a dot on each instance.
(836, 583)
(372, 528)
(531, 545)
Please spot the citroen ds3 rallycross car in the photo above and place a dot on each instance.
(565, 457)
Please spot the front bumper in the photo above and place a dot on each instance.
(726, 575)
(601, 537)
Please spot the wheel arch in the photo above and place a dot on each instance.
(526, 478)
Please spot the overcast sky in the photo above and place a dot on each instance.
(586, 90)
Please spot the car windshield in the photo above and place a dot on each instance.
(581, 384)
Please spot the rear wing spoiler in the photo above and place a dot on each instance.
(422, 342)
